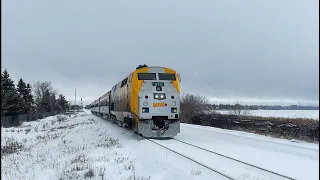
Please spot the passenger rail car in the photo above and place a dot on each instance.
(146, 101)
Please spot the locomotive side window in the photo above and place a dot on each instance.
(147, 76)
(167, 76)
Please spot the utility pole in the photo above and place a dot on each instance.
(75, 99)
(81, 105)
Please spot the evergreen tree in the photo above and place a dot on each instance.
(3, 105)
(29, 99)
(22, 90)
(20, 100)
(62, 102)
(9, 96)
(45, 103)
(53, 103)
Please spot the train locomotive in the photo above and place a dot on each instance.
(147, 101)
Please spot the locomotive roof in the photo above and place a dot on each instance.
(154, 67)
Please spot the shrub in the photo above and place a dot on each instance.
(297, 128)
(61, 118)
(10, 146)
(191, 105)
(89, 174)
(238, 109)
(109, 142)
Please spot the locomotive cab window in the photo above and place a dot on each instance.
(147, 76)
(167, 76)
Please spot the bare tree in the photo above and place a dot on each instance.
(41, 90)
(239, 109)
(191, 105)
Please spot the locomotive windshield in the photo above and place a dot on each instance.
(147, 76)
(167, 76)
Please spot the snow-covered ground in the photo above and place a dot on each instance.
(85, 145)
(314, 114)
(295, 159)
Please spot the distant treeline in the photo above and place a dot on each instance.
(77, 107)
(23, 99)
(260, 107)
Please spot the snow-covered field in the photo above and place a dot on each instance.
(314, 114)
(83, 146)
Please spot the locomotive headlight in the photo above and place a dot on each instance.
(159, 96)
(174, 103)
(145, 103)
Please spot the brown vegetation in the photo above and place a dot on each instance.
(289, 128)
(190, 106)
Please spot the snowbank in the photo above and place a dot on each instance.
(63, 147)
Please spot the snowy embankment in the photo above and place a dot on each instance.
(63, 147)
(83, 146)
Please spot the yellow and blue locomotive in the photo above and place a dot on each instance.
(146, 101)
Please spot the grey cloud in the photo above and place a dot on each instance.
(225, 49)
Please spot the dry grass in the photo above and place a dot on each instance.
(296, 121)
(10, 146)
(109, 142)
(287, 128)
(61, 118)
(195, 172)
(89, 174)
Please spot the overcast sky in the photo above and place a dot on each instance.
(255, 51)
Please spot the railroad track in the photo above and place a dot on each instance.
(248, 164)
(215, 170)
(197, 162)
(252, 138)
(268, 174)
